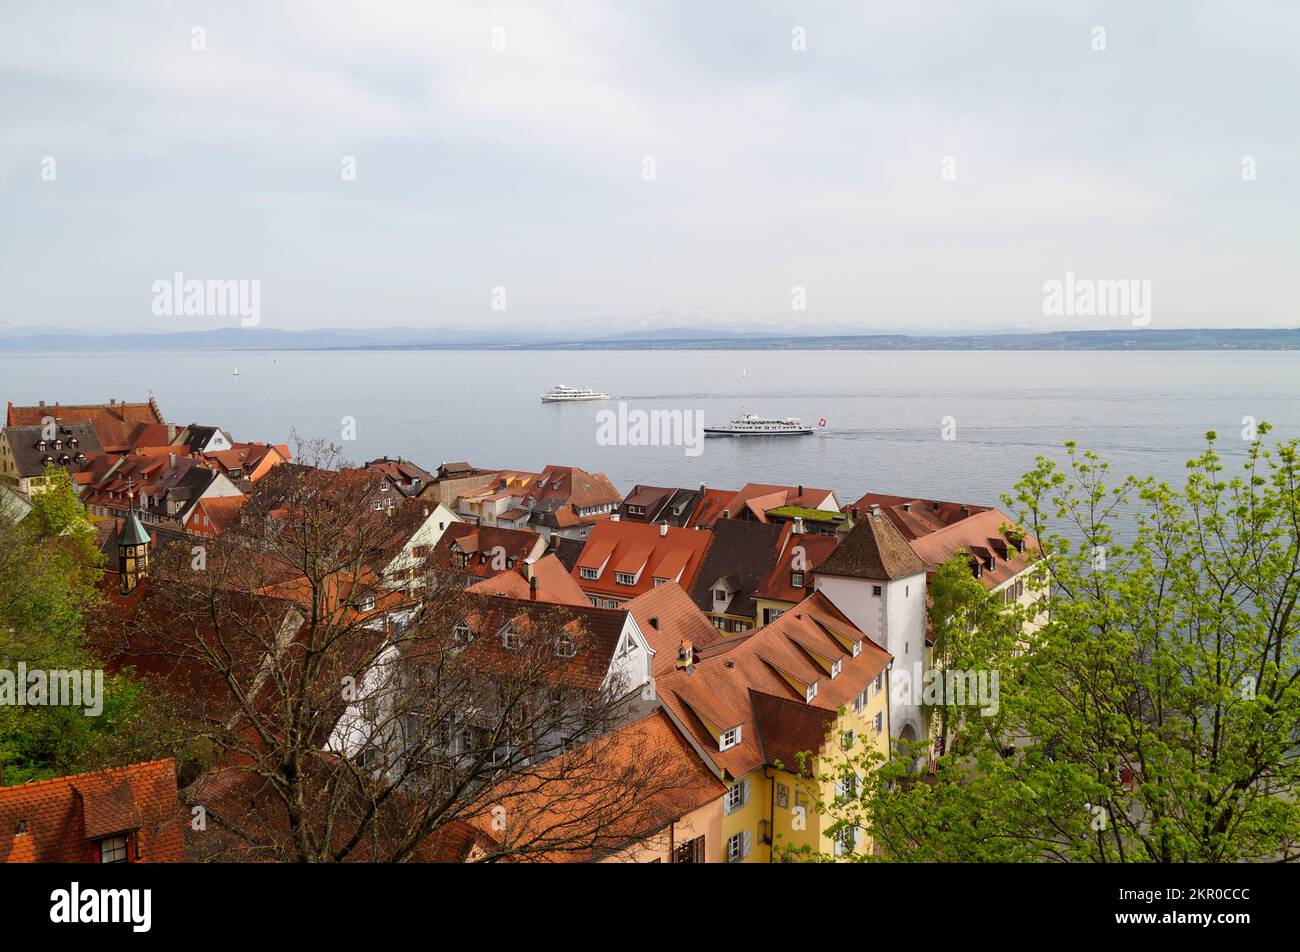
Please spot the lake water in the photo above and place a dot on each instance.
(1146, 412)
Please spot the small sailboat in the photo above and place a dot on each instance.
(236, 373)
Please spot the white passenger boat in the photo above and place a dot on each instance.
(562, 394)
(751, 424)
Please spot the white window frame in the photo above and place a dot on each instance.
(729, 738)
(810, 692)
(835, 667)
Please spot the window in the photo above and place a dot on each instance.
(835, 667)
(878, 723)
(736, 848)
(511, 640)
(772, 614)
(782, 796)
(368, 603)
(113, 850)
(660, 581)
(379, 505)
(719, 594)
(848, 739)
(383, 487)
(625, 578)
(880, 682)
(811, 692)
(857, 647)
(737, 796)
(875, 590)
(845, 841)
(692, 851)
(564, 647)
(796, 580)
(729, 738)
(589, 574)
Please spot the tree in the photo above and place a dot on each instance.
(50, 572)
(1154, 717)
(348, 718)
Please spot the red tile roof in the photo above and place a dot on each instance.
(62, 817)
(656, 551)
(798, 646)
(555, 586)
(668, 618)
(113, 422)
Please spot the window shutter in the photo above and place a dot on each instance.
(726, 804)
(747, 842)
(744, 796)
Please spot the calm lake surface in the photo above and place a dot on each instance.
(1147, 412)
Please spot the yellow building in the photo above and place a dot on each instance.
(760, 707)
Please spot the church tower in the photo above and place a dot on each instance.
(132, 552)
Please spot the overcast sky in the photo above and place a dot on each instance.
(525, 168)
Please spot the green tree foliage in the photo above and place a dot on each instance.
(50, 573)
(1154, 716)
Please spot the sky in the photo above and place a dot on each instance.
(838, 166)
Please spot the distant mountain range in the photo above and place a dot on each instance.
(15, 339)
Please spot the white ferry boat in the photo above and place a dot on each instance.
(751, 424)
(562, 394)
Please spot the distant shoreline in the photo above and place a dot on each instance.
(256, 339)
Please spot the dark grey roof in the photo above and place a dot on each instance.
(742, 552)
(30, 459)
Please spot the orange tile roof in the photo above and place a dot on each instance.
(113, 422)
(719, 690)
(555, 586)
(710, 507)
(674, 554)
(63, 816)
(599, 812)
(668, 618)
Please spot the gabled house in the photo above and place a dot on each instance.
(755, 501)
(656, 504)
(740, 557)
(761, 706)
(622, 560)
(163, 488)
(542, 579)
(122, 815)
(26, 451)
(112, 421)
(466, 553)
(402, 473)
(791, 578)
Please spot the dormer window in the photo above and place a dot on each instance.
(368, 603)
(810, 693)
(625, 578)
(564, 647)
(383, 487)
(857, 647)
(729, 739)
(113, 849)
(511, 640)
(835, 667)
(589, 574)
(462, 634)
(796, 580)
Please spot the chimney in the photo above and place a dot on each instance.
(614, 518)
(685, 657)
(855, 514)
(40, 403)
(798, 525)
(726, 514)
(703, 488)
(801, 489)
(907, 507)
(528, 569)
(875, 511)
(532, 587)
(663, 529)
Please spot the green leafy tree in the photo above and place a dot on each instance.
(1154, 716)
